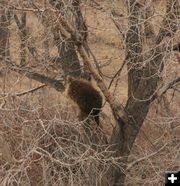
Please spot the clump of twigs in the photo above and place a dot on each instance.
(48, 146)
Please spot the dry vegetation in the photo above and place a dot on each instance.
(41, 141)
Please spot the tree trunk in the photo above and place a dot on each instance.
(3, 32)
(142, 83)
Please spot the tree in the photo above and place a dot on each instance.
(3, 31)
(144, 51)
(142, 78)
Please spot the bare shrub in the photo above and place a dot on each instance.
(40, 147)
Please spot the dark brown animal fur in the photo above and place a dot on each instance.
(86, 97)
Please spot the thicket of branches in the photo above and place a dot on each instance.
(46, 145)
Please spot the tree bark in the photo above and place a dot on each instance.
(3, 32)
(142, 85)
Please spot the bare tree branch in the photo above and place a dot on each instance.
(30, 91)
(166, 87)
(4, 31)
(148, 28)
(56, 84)
(28, 72)
(26, 92)
(132, 164)
(23, 36)
(26, 42)
(117, 73)
(134, 47)
(170, 22)
(117, 108)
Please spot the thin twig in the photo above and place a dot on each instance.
(25, 92)
(166, 87)
(117, 73)
(30, 91)
(132, 164)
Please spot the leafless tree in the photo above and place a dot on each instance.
(146, 54)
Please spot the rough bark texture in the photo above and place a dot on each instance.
(142, 84)
(3, 32)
